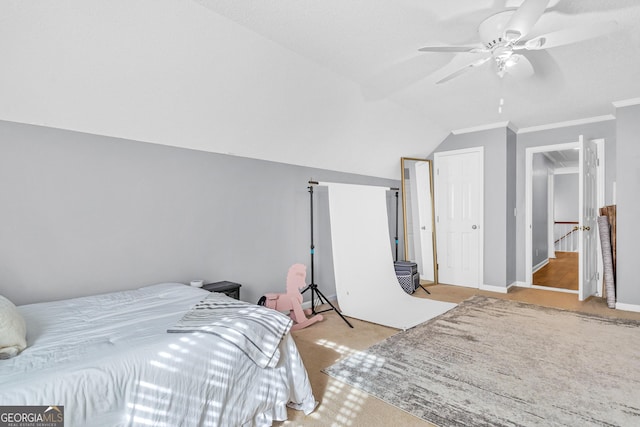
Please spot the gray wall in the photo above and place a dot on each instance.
(604, 129)
(505, 175)
(497, 206)
(82, 214)
(628, 209)
(566, 197)
(540, 209)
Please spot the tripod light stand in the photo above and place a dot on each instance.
(316, 294)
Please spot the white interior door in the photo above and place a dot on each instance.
(459, 220)
(587, 238)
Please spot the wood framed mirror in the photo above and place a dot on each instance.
(418, 217)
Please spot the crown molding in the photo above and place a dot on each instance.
(626, 102)
(489, 126)
(568, 123)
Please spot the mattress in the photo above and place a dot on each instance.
(109, 361)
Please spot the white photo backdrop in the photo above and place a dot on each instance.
(366, 283)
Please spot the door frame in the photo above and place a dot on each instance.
(600, 182)
(551, 190)
(436, 181)
(529, 152)
(600, 171)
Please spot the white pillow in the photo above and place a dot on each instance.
(13, 330)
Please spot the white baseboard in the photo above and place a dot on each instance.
(333, 298)
(552, 289)
(520, 284)
(540, 265)
(491, 288)
(628, 307)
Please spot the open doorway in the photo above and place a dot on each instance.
(556, 241)
(556, 218)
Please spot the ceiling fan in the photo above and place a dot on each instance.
(503, 40)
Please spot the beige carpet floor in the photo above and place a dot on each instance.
(325, 342)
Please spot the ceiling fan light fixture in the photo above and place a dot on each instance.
(505, 61)
(511, 61)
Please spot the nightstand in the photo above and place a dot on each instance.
(228, 288)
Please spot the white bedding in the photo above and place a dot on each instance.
(256, 330)
(109, 360)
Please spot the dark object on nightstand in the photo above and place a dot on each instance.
(228, 288)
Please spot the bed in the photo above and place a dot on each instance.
(109, 360)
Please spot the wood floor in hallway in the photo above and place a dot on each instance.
(561, 272)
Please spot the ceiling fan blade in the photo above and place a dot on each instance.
(452, 49)
(401, 75)
(548, 79)
(590, 6)
(524, 19)
(571, 35)
(462, 28)
(463, 70)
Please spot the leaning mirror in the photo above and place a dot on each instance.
(417, 210)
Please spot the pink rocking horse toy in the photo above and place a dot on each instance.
(292, 300)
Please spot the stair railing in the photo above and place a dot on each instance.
(565, 236)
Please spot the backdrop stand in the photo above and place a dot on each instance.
(396, 237)
(316, 295)
(424, 289)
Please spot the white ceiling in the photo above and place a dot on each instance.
(315, 83)
(564, 159)
(376, 42)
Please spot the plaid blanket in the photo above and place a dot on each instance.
(254, 329)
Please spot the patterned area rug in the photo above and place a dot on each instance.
(503, 363)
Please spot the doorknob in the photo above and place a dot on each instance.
(474, 227)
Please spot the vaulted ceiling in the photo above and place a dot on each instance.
(376, 42)
(316, 83)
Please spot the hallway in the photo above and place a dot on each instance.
(561, 272)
